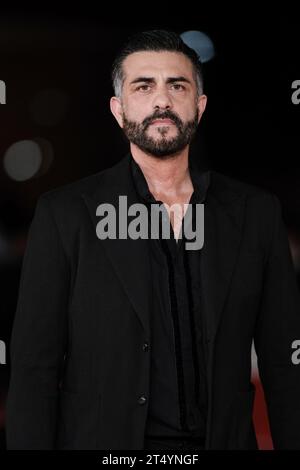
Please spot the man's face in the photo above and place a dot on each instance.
(159, 110)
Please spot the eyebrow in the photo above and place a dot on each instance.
(152, 80)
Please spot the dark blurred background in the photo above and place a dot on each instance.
(56, 125)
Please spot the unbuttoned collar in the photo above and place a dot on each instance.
(200, 180)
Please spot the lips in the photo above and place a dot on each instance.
(162, 121)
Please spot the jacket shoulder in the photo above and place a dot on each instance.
(234, 188)
(72, 191)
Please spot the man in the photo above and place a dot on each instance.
(127, 342)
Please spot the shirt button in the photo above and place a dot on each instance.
(145, 347)
(142, 400)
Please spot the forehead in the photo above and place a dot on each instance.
(148, 63)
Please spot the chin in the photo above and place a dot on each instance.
(169, 135)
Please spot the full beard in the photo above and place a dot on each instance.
(162, 148)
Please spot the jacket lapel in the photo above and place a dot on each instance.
(130, 258)
(223, 217)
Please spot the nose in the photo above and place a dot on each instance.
(162, 100)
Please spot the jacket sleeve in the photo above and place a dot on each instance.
(39, 336)
(277, 327)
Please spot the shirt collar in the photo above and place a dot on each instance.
(200, 180)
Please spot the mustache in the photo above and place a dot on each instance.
(162, 115)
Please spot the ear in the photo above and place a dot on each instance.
(116, 109)
(202, 100)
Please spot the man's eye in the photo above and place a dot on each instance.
(177, 86)
(143, 88)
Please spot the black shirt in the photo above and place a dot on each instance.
(178, 398)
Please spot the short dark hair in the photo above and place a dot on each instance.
(155, 40)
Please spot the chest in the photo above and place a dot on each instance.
(176, 209)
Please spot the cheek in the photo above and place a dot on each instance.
(186, 109)
(137, 114)
(137, 108)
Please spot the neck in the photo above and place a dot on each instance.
(163, 176)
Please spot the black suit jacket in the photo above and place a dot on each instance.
(79, 365)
